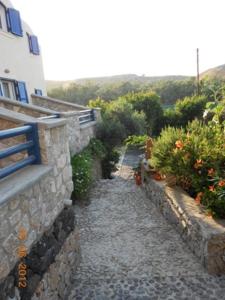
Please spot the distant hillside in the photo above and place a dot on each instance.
(51, 84)
(214, 72)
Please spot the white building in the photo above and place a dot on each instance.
(21, 70)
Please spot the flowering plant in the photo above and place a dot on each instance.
(196, 157)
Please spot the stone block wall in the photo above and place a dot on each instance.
(48, 276)
(36, 206)
(56, 104)
(54, 146)
(27, 109)
(204, 236)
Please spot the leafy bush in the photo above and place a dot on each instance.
(149, 104)
(185, 110)
(109, 163)
(136, 140)
(110, 132)
(82, 167)
(100, 103)
(96, 148)
(191, 155)
(123, 112)
(190, 108)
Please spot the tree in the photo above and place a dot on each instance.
(149, 104)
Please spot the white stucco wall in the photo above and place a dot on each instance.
(15, 56)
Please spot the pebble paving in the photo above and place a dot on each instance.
(129, 251)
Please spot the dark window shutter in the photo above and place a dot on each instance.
(38, 92)
(14, 21)
(34, 46)
(1, 93)
(22, 92)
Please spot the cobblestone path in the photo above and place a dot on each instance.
(130, 252)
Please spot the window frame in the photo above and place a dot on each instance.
(11, 88)
(31, 49)
(3, 23)
(38, 92)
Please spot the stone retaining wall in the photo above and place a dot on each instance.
(31, 199)
(50, 263)
(56, 104)
(24, 108)
(204, 236)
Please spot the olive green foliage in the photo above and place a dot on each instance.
(215, 111)
(99, 103)
(213, 88)
(190, 154)
(168, 90)
(110, 132)
(109, 163)
(185, 110)
(191, 108)
(149, 104)
(125, 113)
(171, 90)
(138, 141)
(82, 167)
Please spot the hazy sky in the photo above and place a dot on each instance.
(85, 38)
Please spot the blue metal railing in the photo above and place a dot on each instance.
(87, 116)
(31, 146)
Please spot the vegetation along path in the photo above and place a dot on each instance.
(130, 252)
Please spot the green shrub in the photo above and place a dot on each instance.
(190, 108)
(109, 163)
(82, 164)
(124, 113)
(149, 104)
(138, 141)
(190, 155)
(97, 148)
(110, 132)
(185, 110)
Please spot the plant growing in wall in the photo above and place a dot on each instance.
(82, 164)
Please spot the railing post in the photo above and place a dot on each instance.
(33, 136)
(93, 115)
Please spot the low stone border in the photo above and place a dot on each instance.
(204, 235)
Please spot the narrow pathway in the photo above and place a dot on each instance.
(130, 252)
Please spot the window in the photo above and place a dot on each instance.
(3, 23)
(38, 92)
(21, 91)
(13, 89)
(7, 89)
(33, 44)
(14, 21)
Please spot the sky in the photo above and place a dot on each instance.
(90, 38)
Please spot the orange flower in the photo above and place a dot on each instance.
(221, 183)
(211, 188)
(179, 144)
(198, 198)
(211, 172)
